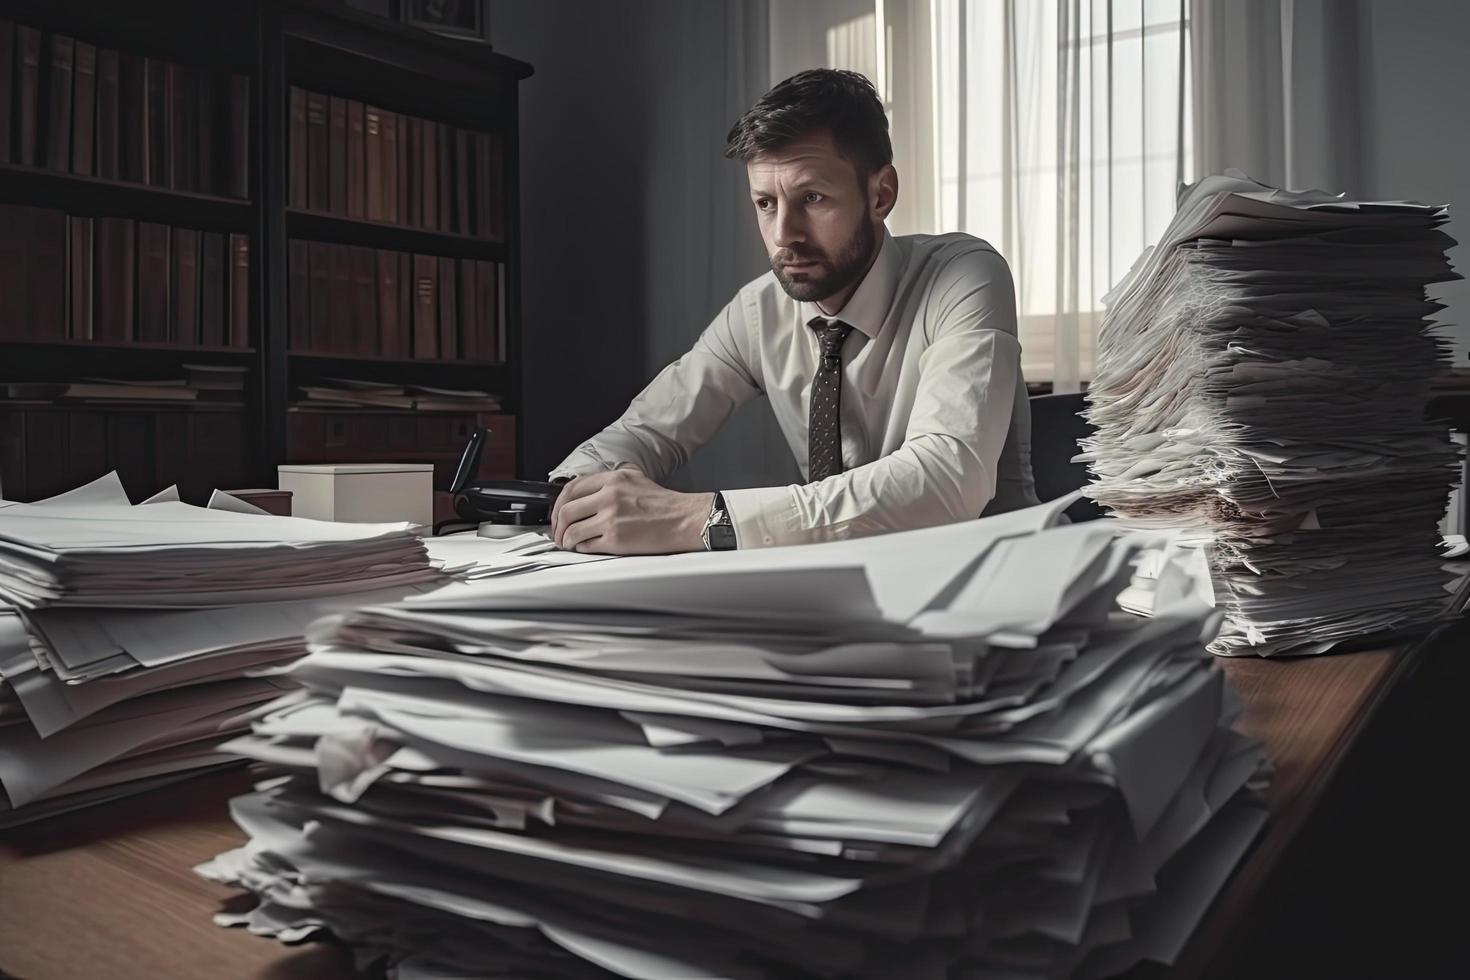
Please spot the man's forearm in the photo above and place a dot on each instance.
(930, 480)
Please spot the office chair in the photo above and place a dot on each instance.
(1056, 429)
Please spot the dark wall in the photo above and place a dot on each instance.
(636, 230)
(582, 163)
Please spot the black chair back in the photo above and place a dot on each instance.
(1056, 430)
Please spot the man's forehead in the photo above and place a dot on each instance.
(802, 160)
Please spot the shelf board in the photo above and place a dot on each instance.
(77, 194)
(74, 345)
(381, 359)
(120, 405)
(316, 226)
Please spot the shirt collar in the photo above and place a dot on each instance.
(867, 307)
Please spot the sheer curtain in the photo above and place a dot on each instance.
(1062, 131)
(1058, 130)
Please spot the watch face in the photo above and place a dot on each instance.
(722, 538)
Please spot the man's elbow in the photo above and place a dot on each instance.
(955, 483)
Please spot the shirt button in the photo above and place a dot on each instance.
(767, 539)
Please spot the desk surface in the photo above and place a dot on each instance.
(110, 891)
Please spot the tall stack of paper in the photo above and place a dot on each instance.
(127, 634)
(1263, 375)
(931, 754)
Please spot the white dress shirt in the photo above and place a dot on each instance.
(935, 423)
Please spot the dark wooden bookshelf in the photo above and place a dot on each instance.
(321, 227)
(315, 45)
(86, 195)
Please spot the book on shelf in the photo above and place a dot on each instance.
(391, 134)
(372, 169)
(34, 247)
(58, 111)
(298, 298)
(349, 392)
(115, 275)
(184, 326)
(337, 150)
(212, 290)
(413, 168)
(157, 158)
(84, 109)
(356, 151)
(296, 175)
(133, 137)
(363, 330)
(429, 174)
(80, 273)
(316, 335)
(155, 289)
(109, 93)
(99, 391)
(318, 154)
(468, 303)
(215, 377)
(426, 307)
(392, 339)
(28, 93)
(448, 310)
(239, 284)
(339, 331)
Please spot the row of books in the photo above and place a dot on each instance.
(76, 108)
(350, 393)
(45, 450)
(215, 384)
(117, 281)
(351, 300)
(360, 161)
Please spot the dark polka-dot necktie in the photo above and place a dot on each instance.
(824, 428)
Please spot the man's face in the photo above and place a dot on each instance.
(814, 216)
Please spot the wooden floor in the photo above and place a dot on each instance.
(1358, 740)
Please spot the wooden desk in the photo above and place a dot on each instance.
(109, 891)
(1309, 711)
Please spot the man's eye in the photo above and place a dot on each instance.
(764, 204)
(813, 197)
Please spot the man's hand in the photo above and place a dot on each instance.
(623, 512)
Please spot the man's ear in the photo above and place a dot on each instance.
(883, 190)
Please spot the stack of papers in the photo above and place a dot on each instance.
(1262, 376)
(130, 635)
(937, 753)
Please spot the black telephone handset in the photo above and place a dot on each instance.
(508, 503)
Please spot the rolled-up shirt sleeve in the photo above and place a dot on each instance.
(680, 409)
(946, 468)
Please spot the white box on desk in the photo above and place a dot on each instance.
(360, 492)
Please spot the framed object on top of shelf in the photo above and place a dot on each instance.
(456, 18)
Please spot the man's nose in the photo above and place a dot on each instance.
(789, 229)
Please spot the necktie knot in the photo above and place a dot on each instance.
(831, 334)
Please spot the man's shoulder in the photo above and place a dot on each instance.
(951, 249)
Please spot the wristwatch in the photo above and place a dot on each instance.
(719, 533)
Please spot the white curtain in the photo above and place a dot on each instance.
(1276, 91)
(1057, 130)
(1060, 131)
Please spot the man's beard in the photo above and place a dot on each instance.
(829, 277)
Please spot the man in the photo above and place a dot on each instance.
(892, 364)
